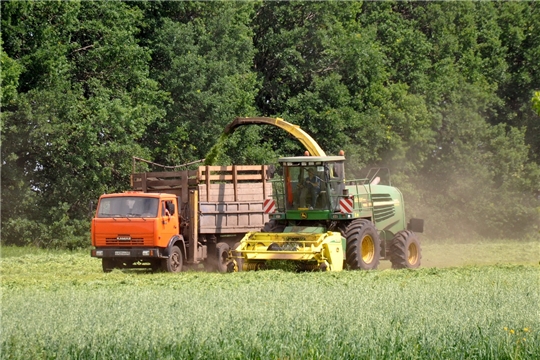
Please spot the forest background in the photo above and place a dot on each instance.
(444, 94)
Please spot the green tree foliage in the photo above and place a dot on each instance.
(536, 102)
(202, 54)
(520, 37)
(439, 92)
(83, 102)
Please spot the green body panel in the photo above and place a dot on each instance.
(306, 214)
(383, 204)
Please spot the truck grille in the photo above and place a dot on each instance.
(132, 242)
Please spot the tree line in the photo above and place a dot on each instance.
(441, 93)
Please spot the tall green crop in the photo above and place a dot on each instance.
(70, 309)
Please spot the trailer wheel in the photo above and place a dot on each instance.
(107, 264)
(222, 253)
(405, 251)
(174, 262)
(363, 245)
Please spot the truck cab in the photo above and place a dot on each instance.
(135, 229)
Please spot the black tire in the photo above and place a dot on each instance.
(405, 251)
(107, 265)
(273, 227)
(222, 257)
(238, 258)
(175, 262)
(363, 245)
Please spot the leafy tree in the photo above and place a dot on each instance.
(536, 102)
(84, 100)
(520, 38)
(439, 92)
(202, 56)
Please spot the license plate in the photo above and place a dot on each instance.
(122, 253)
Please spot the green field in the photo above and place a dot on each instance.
(480, 301)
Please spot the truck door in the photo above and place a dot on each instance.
(169, 220)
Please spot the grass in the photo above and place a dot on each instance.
(60, 305)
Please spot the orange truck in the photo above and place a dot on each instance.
(173, 220)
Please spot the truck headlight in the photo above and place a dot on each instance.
(146, 253)
(99, 252)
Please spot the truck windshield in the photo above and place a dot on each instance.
(128, 206)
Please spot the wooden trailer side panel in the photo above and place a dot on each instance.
(223, 215)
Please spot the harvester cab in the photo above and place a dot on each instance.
(313, 184)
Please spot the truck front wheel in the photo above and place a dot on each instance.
(174, 262)
(363, 245)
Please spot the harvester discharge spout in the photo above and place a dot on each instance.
(306, 140)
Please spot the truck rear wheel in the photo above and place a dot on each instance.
(222, 253)
(363, 245)
(405, 251)
(174, 262)
(107, 264)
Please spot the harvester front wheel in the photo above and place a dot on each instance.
(405, 251)
(363, 245)
(175, 261)
(222, 253)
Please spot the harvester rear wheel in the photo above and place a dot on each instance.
(405, 251)
(222, 253)
(174, 262)
(363, 245)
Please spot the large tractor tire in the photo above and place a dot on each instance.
(363, 245)
(174, 262)
(405, 251)
(222, 257)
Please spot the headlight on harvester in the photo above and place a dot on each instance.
(99, 253)
(146, 253)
